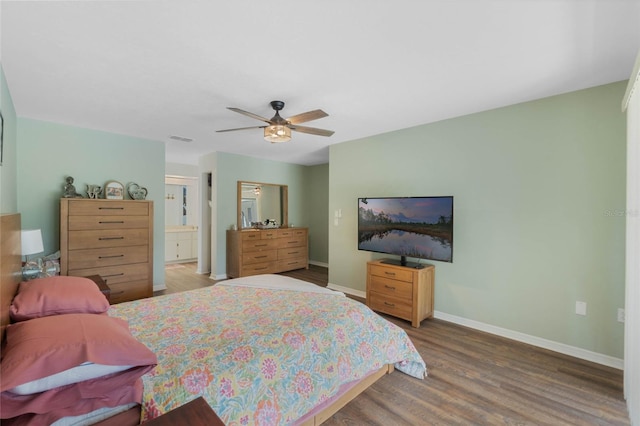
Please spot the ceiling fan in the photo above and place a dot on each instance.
(279, 129)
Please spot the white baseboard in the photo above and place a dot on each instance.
(535, 341)
(510, 334)
(218, 277)
(173, 262)
(324, 265)
(347, 290)
(158, 287)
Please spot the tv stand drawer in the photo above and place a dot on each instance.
(395, 288)
(393, 273)
(391, 305)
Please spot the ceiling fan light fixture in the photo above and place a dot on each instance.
(277, 133)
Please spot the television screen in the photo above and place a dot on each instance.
(418, 227)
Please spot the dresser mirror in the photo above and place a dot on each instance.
(259, 202)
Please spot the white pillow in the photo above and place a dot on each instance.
(84, 371)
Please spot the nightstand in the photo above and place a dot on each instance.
(194, 413)
(104, 288)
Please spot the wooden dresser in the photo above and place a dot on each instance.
(401, 291)
(110, 238)
(266, 251)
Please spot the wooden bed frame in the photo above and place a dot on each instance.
(11, 276)
(10, 264)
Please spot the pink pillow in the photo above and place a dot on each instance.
(45, 346)
(123, 397)
(57, 295)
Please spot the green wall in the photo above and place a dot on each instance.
(307, 187)
(539, 189)
(9, 168)
(317, 212)
(231, 168)
(48, 152)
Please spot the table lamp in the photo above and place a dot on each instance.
(31, 240)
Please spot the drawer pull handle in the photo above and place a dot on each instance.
(110, 238)
(390, 304)
(108, 257)
(260, 269)
(110, 208)
(111, 221)
(292, 242)
(390, 273)
(292, 263)
(260, 257)
(389, 287)
(261, 245)
(293, 252)
(105, 278)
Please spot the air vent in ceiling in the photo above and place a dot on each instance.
(180, 138)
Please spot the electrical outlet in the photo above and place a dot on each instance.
(581, 308)
(620, 315)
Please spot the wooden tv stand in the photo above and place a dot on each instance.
(402, 291)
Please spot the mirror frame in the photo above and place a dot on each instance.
(284, 202)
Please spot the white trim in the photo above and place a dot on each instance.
(218, 277)
(180, 180)
(632, 269)
(533, 340)
(510, 334)
(158, 287)
(324, 265)
(634, 83)
(347, 290)
(179, 261)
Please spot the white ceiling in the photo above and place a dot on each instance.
(153, 69)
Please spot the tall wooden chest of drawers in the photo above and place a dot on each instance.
(266, 251)
(110, 238)
(401, 291)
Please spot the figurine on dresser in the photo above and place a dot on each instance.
(94, 191)
(70, 189)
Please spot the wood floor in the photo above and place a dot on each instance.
(474, 378)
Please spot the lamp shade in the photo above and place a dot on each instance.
(277, 133)
(31, 240)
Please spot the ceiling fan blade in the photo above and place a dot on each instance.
(307, 116)
(240, 128)
(312, 130)
(249, 114)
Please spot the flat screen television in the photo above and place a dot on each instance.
(416, 227)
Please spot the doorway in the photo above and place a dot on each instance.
(181, 219)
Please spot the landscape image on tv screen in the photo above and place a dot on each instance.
(419, 227)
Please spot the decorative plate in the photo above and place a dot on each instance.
(136, 192)
(113, 190)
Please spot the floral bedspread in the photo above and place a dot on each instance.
(260, 356)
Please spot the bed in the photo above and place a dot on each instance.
(260, 350)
